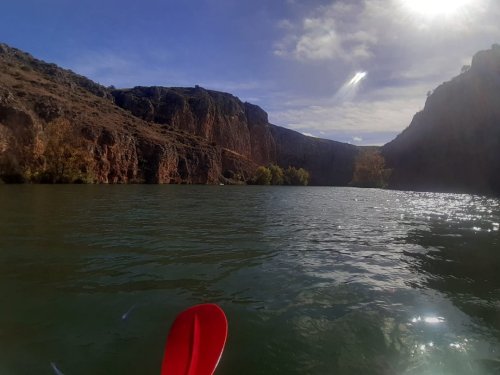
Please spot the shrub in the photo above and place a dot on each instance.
(263, 176)
(370, 171)
(295, 176)
(277, 175)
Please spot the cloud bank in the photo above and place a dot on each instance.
(406, 53)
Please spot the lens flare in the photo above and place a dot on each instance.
(358, 77)
(350, 88)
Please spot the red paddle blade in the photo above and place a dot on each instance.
(196, 341)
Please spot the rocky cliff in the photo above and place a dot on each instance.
(147, 134)
(217, 117)
(123, 147)
(316, 155)
(453, 144)
(194, 135)
(243, 128)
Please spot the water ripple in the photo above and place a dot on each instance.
(314, 280)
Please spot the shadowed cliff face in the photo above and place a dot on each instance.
(454, 143)
(328, 162)
(242, 128)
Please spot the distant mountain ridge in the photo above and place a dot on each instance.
(453, 144)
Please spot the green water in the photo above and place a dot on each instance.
(313, 280)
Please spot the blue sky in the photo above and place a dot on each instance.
(294, 58)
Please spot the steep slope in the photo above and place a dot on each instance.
(148, 134)
(243, 128)
(217, 117)
(454, 143)
(125, 148)
(328, 162)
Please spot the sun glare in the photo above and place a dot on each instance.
(433, 8)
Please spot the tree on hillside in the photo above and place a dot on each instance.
(295, 176)
(370, 171)
(263, 176)
(277, 175)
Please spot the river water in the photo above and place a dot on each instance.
(313, 280)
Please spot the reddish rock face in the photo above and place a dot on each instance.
(193, 135)
(153, 134)
(263, 144)
(221, 119)
(125, 148)
(241, 128)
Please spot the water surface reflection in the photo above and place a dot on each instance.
(314, 280)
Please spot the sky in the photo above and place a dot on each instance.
(353, 71)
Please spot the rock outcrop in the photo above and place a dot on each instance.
(453, 144)
(194, 135)
(242, 128)
(125, 148)
(216, 117)
(150, 134)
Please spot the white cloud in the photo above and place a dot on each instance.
(357, 31)
(386, 111)
(319, 41)
(308, 134)
(367, 116)
(405, 54)
(326, 36)
(285, 24)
